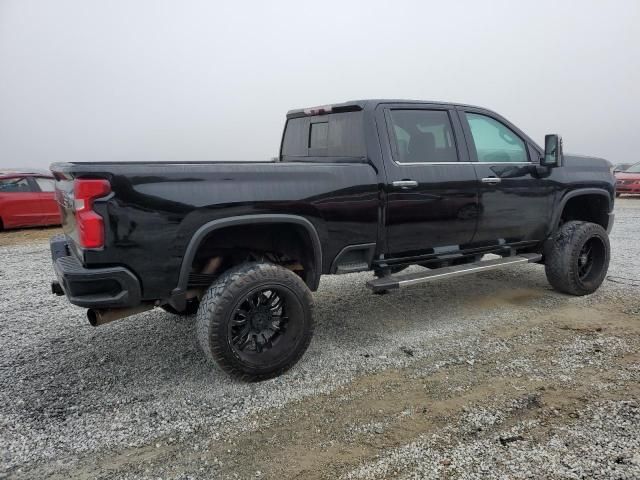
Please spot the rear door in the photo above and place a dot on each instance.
(48, 204)
(515, 197)
(19, 202)
(431, 188)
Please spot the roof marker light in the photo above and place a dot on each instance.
(322, 110)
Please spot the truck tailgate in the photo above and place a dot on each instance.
(65, 199)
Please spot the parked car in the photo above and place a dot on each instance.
(369, 185)
(621, 167)
(628, 182)
(27, 200)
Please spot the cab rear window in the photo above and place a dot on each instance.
(323, 138)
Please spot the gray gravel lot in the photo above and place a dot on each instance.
(136, 398)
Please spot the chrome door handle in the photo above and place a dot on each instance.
(405, 184)
(491, 180)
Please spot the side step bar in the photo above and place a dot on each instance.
(398, 281)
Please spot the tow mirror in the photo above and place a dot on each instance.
(552, 151)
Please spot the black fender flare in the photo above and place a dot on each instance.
(576, 193)
(178, 294)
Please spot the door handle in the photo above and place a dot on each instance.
(491, 180)
(405, 184)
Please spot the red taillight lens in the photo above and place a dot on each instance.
(90, 224)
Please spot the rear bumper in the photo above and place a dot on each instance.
(110, 287)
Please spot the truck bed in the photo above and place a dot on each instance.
(155, 208)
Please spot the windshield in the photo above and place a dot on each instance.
(633, 169)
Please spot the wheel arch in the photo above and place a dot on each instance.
(178, 294)
(589, 204)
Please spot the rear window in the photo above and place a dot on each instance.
(338, 135)
(319, 136)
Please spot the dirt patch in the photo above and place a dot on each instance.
(507, 298)
(27, 235)
(546, 380)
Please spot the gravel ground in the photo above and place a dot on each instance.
(487, 376)
(27, 235)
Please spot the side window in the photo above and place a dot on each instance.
(12, 185)
(494, 142)
(46, 184)
(423, 136)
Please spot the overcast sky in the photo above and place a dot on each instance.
(203, 80)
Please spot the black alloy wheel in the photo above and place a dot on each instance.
(590, 258)
(260, 321)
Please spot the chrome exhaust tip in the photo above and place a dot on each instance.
(100, 316)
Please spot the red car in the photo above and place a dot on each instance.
(27, 200)
(628, 181)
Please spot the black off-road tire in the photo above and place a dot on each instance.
(563, 253)
(216, 312)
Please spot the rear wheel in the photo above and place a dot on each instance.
(256, 321)
(577, 258)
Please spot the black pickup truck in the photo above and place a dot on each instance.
(365, 185)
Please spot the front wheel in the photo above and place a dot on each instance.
(577, 258)
(256, 321)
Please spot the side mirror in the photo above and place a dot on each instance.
(552, 151)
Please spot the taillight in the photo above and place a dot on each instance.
(90, 225)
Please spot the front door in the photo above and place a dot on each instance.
(431, 190)
(515, 198)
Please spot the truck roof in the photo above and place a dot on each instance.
(366, 104)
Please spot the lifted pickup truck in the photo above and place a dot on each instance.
(365, 185)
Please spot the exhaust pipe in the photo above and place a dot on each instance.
(100, 316)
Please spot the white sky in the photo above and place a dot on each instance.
(204, 80)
